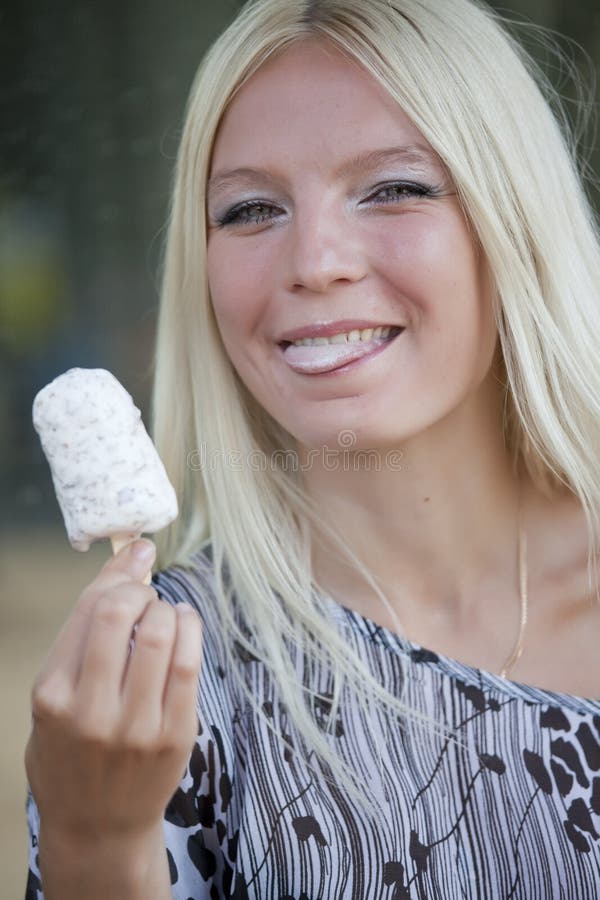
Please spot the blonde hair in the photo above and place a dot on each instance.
(479, 101)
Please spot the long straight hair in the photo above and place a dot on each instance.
(484, 107)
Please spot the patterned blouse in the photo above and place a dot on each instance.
(512, 813)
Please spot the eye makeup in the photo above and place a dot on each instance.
(258, 211)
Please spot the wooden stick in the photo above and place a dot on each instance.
(118, 541)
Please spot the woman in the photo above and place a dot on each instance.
(394, 517)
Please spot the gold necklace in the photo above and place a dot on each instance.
(518, 647)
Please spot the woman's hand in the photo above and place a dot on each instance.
(113, 729)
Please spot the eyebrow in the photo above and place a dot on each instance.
(412, 154)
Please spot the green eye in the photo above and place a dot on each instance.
(399, 190)
(249, 213)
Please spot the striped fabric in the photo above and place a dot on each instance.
(513, 813)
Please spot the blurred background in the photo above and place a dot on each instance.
(91, 104)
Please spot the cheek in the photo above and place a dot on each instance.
(427, 255)
(223, 283)
(238, 306)
(229, 297)
(435, 269)
(237, 286)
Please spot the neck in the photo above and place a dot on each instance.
(436, 532)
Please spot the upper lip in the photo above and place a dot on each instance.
(328, 329)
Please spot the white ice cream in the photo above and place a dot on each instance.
(108, 477)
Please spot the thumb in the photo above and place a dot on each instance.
(134, 559)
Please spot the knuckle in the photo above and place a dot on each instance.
(140, 740)
(181, 739)
(93, 732)
(170, 745)
(116, 609)
(156, 631)
(47, 704)
(88, 596)
(113, 613)
(153, 637)
(183, 670)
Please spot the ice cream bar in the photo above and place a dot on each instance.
(108, 477)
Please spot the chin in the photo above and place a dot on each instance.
(348, 438)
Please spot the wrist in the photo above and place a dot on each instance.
(119, 866)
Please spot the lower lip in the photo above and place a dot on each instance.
(347, 367)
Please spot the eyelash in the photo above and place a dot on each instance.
(234, 215)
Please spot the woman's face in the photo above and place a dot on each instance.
(326, 207)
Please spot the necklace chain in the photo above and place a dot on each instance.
(518, 647)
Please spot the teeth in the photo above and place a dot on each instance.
(367, 334)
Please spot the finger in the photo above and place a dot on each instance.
(64, 659)
(179, 704)
(107, 647)
(62, 662)
(132, 561)
(146, 673)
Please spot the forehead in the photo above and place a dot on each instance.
(311, 102)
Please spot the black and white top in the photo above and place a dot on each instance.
(515, 814)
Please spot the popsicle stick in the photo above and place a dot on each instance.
(118, 542)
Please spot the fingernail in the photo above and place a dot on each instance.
(144, 550)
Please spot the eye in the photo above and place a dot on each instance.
(397, 191)
(251, 212)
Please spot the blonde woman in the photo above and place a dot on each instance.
(377, 392)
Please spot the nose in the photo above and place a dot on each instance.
(325, 247)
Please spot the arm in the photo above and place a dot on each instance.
(128, 869)
(112, 731)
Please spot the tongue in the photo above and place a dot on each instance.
(325, 357)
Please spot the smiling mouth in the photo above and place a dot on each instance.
(322, 356)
